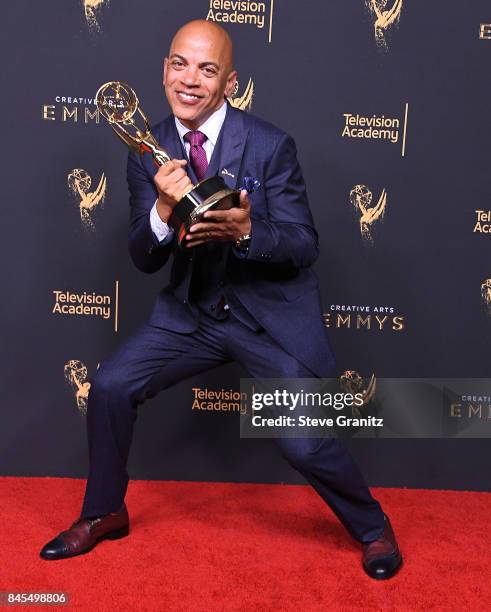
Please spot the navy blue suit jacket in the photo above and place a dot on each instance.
(274, 281)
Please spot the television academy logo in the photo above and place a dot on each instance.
(384, 17)
(76, 376)
(92, 9)
(486, 295)
(483, 222)
(79, 182)
(361, 200)
(87, 304)
(243, 102)
(242, 12)
(376, 127)
(223, 400)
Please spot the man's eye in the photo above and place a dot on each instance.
(208, 70)
(177, 64)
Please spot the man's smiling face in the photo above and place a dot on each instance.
(198, 73)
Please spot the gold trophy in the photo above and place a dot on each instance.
(118, 103)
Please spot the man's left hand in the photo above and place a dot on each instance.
(222, 225)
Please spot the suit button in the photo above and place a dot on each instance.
(184, 301)
(221, 283)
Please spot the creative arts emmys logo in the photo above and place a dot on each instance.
(385, 13)
(370, 318)
(79, 182)
(485, 31)
(243, 102)
(486, 295)
(92, 10)
(71, 109)
(361, 199)
(475, 407)
(353, 383)
(76, 377)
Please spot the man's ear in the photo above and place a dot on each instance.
(231, 81)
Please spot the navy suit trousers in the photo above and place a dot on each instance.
(153, 359)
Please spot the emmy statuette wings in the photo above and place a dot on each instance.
(119, 105)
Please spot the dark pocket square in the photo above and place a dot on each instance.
(251, 184)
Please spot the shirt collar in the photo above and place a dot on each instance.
(210, 128)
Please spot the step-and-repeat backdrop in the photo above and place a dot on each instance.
(388, 101)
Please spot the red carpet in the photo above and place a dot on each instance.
(215, 547)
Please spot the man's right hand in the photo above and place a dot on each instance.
(172, 182)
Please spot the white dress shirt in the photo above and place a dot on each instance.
(211, 129)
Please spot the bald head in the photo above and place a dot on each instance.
(208, 34)
(199, 74)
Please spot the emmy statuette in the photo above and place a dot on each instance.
(117, 102)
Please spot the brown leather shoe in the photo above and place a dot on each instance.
(382, 558)
(84, 534)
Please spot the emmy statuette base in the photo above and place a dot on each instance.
(211, 194)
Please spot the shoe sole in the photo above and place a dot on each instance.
(117, 534)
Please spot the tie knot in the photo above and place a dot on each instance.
(195, 139)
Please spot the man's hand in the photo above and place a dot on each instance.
(172, 182)
(222, 225)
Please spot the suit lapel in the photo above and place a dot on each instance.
(227, 156)
(169, 139)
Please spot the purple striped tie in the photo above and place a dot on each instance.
(197, 154)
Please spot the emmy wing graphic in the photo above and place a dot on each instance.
(352, 382)
(361, 199)
(79, 182)
(486, 294)
(91, 9)
(243, 102)
(384, 18)
(76, 376)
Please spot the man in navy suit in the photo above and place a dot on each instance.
(238, 290)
